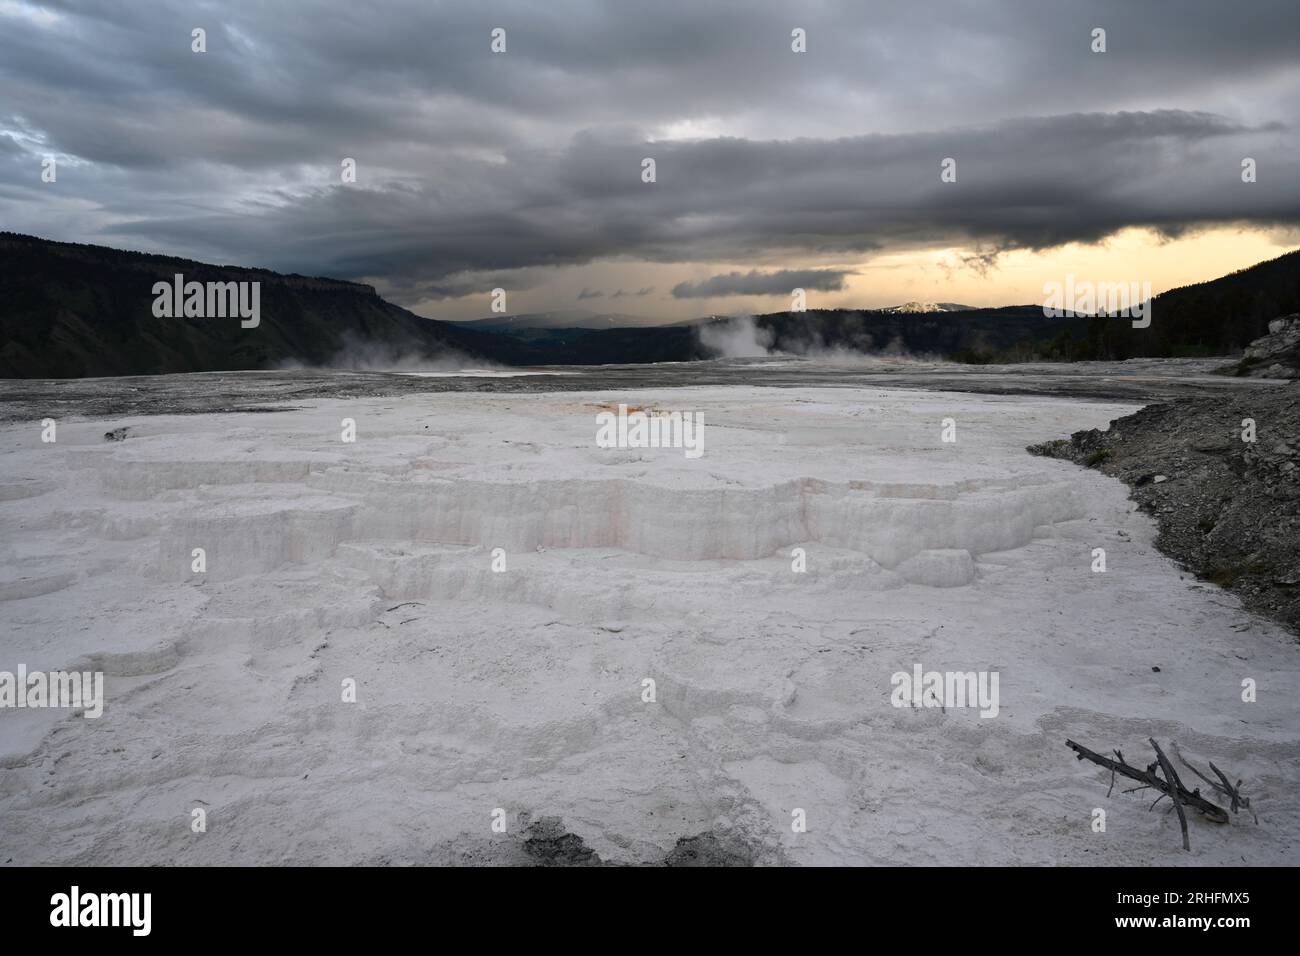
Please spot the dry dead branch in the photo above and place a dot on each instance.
(1170, 785)
(1233, 793)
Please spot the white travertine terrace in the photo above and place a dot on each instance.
(522, 689)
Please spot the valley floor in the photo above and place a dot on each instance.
(524, 689)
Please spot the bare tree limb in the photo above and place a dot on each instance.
(1175, 791)
(1149, 778)
(1239, 802)
(1182, 760)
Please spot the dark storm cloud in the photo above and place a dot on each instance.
(762, 283)
(472, 164)
(1020, 184)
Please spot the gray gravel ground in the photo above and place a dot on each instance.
(1228, 508)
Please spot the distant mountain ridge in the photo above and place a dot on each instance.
(927, 307)
(1217, 317)
(69, 310)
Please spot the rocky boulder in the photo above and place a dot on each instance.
(1276, 355)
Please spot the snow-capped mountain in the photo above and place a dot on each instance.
(929, 307)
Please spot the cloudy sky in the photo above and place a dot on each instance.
(774, 169)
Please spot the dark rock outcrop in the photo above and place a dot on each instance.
(710, 849)
(1227, 506)
(1276, 355)
(547, 843)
